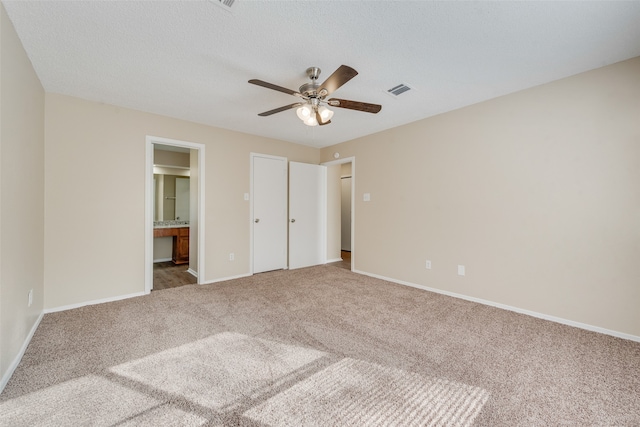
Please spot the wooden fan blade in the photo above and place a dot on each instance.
(355, 105)
(319, 120)
(285, 108)
(274, 87)
(339, 77)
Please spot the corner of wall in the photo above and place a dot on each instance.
(21, 205)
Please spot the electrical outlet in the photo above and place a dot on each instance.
(232, 257)
(30, 298)
(427, 265)
(461, 270)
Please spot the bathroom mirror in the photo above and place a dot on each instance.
(171, 197)
(171, 170)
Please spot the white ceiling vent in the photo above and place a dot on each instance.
(225, 4)
(399, 90)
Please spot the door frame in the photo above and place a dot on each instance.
(252, 156)
(148, 211)
(351, 160)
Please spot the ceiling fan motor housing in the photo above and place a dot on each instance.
(310, 89)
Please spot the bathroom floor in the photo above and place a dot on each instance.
(168, 275)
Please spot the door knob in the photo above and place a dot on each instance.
(293, 220)
(257, 220)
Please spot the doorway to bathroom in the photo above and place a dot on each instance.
(174, 229)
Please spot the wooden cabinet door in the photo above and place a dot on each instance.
(181, 246)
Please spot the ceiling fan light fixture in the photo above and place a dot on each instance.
(311, 121)
(304, 112)
(325, 113)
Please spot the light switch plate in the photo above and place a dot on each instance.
(366, 197)
(246, 196)
(461, 270)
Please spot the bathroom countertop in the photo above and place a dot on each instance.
(170, 224)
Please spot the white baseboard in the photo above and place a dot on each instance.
(97, 301)
(334, 260)
(162, 260)
(508, 307)
(192, 272)
(16, 361)
(224, 279)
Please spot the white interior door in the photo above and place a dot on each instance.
(307, 214)
(182, 199)
(269, 196)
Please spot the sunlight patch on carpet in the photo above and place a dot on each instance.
(219, 371)
(88, 400)
(165, 416)
(354, 392)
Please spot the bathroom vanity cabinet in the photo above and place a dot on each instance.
(180, 253)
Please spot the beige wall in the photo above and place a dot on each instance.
(91, 150)
(171, 158)
(21, 196)
(346, 169)
(537, 193)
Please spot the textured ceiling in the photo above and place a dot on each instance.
(192, 59)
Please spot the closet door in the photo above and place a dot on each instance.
(307, 215)
(269, 213)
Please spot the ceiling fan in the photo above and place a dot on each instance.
(312, 110)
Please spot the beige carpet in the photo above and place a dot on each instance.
(319, 346)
